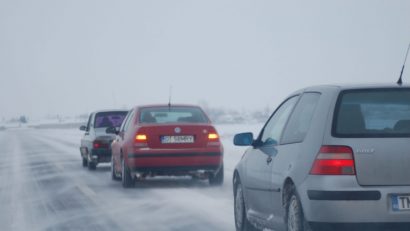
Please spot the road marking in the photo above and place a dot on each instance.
(18, 218)
(86, 191)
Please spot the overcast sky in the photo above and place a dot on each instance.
(75, 56)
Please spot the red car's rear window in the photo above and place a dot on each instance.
(173, 114)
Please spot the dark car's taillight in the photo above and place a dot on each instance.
(100, 144)
(334, 160)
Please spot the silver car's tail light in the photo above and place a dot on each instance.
(334, 160)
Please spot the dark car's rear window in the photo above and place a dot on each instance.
(173, 114)
(372, 113)
(109, 119)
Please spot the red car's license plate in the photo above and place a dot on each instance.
(177, 139)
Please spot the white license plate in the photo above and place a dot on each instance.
(177, 139)
(401, 202)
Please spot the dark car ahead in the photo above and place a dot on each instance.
(95, 144)
(329, 156)
(167, 140)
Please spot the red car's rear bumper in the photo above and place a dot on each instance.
(175, 161)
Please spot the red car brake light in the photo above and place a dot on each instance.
(334, 160)
(213, 137)
(140, 140)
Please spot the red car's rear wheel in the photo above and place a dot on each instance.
(127, 181)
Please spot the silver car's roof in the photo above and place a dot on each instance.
(351, 86)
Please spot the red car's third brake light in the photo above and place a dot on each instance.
(334, 160)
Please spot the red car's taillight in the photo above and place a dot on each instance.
(140, 140)
(334, 160)
(213, 139)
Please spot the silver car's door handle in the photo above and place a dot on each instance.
(269, 160)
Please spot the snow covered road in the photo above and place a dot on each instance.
(44, 187)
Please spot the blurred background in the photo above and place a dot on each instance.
(237, 58)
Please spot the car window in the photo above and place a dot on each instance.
(109, 119)
(372, 113)
(89, 122)
(125, 121)
(300, 119)
(130, 118)
(174, 114)
(273, 129)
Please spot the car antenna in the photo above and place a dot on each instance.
(400, 82)
(169, 99)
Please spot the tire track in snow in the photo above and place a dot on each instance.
(41, 192)
(176, 204)
(167, 209)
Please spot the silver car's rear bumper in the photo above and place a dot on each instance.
(339, 199)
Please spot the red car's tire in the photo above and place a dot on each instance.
(126, 178)
(217, 178)
(113, 173)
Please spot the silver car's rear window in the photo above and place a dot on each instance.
(372, 113)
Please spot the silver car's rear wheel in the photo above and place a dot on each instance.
(295, 218)
(294, 215)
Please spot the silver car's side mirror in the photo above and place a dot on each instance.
(243, 139)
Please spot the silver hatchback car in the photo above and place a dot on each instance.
(329, 156)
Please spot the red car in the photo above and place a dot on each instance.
(166, 140)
